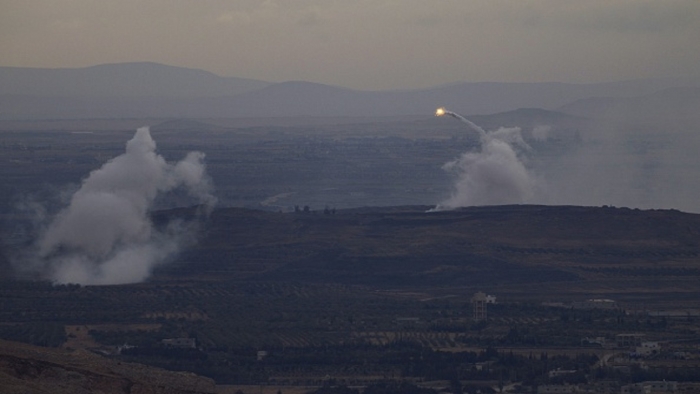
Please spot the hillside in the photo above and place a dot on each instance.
(520, 252)
(30, 369)
(564, 250)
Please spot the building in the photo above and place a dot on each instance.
(479, 306)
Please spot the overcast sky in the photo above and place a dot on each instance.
(364, 44)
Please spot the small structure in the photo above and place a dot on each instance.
(479, 306)
(262, 354)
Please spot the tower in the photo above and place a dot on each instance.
(479, 306)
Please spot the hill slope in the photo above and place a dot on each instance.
(30, 369)
(562, 249)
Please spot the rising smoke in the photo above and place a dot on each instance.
(646, 167)
(105, 235)
(495, 174)
(646, 161)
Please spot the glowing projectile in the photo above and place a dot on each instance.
(442, 111)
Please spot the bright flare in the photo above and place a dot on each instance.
(440, 111)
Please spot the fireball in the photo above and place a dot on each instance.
(440, 111)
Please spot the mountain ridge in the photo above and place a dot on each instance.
(143, 79)
(156, 90)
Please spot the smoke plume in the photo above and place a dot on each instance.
(495, 174)
(105, 235)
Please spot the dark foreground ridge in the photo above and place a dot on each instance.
(31, 369)
(562, 249)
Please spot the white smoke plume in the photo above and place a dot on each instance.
(495, 174)
(645, 167)
(105, 235)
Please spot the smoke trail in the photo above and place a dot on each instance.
(442, 111)
(496, 174)
(105, 236)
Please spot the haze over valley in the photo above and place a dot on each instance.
(276, 146)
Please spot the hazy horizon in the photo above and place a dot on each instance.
(378, 45)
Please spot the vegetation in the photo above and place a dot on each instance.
(333, 336)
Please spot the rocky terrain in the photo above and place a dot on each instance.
(30, 369)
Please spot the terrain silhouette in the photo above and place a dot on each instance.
(563, 249)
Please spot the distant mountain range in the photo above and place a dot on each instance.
(136, 90)
(121, 80)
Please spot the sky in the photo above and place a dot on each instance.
(364, 44)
